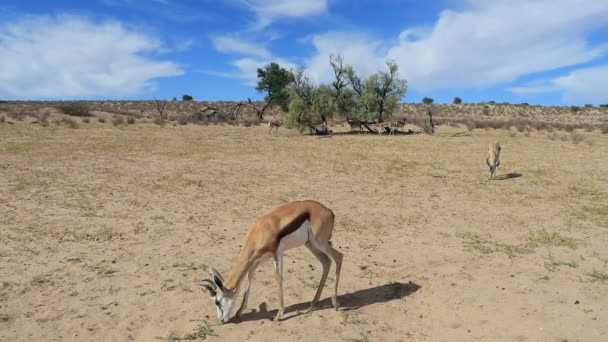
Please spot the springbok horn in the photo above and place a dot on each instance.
(209, 285)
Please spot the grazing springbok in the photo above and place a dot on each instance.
(493, 159)
(275, 124)
(301, 223)
(392, 126)
(354, 123)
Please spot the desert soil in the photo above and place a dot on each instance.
(106, 233)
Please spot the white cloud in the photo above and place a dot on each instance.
(359, 50)
(233, 44)
(268, 11)
(488, 43)
(582, 86)
(72, 57)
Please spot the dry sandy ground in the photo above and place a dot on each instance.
(106, 232)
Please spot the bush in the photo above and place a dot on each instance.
(588, 106)
(44, 120)
(577, 138)
(183, 119)
(187, 98)
(74, 109)
(159, 121)
(130, 120)
(604, 129)
(86, 120)
(575, 108)
(70, 122)
(101, 120)
(427, 100)
(605, 105)
(117, 120)
(457, 100)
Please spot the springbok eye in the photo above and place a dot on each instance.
(217, 302)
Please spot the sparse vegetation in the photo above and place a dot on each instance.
(201, 332)
(597, 275)
(70, 122)
(75, 109)
(457, 100)
(117, 120)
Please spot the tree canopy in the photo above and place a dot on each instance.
(273, 80)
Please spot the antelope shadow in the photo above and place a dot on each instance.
(508, 176)
(348, 301)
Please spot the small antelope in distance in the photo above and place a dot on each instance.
(274, 124)
(354, 123)
(300, 223)
(393, 126)
(493, 159)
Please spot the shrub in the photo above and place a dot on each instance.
(575, 108)
(604, 129)
(588, 106)
(457, 100)
(101, 120)
(577, 138)
(44, 120)
(74, 109)
(427, 100)
(117, 120)
(604, 105)
(187, 98)
(70, 122)
(86, 120)
(159, 121)
(512, 132)
(183, 119)
(130, 120)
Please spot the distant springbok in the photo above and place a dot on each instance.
(493, 159)
(391, 126)
(274, 124)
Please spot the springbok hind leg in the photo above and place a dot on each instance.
(326, 264)
(336, 257)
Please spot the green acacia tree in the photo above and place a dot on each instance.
(274, 80)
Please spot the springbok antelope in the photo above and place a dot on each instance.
(493, 159)
(301, 223)
(354, 123)
(275, 124)
(393, 126)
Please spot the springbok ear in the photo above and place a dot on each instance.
(217, 278)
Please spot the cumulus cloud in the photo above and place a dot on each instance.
(359, 50)
(234, 44)
(268, 11)
(485, 44)
(581, 86)
(72, 57)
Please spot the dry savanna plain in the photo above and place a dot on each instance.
(107, 230)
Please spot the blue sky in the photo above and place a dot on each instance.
(540, 52)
